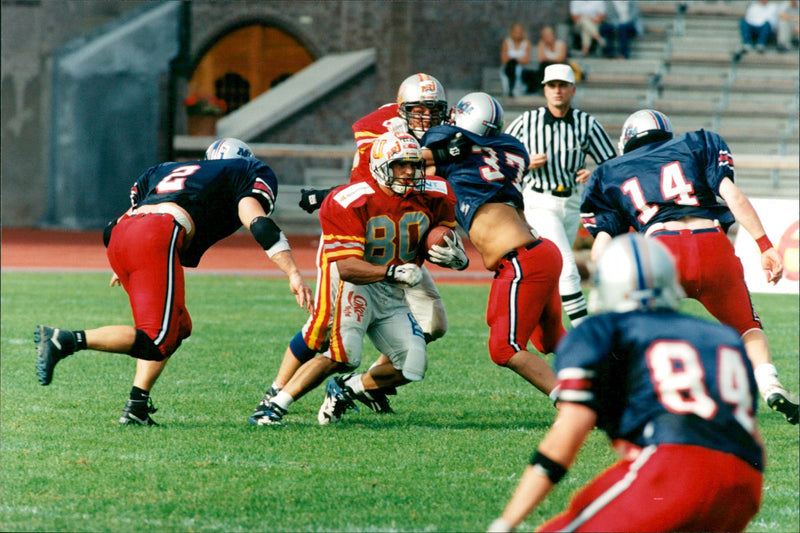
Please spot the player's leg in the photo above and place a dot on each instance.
(312, 338)
(347, 332)
(395, 332)
(557, 220)
(573, 301)
(710, 258)
(156, 290)
(517, 298)
(718, 492)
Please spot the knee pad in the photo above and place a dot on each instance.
(144, 348)
(300, 349)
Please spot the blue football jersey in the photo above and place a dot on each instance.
(661, 377)
(659, 182)
(210, 191)
(492, 172)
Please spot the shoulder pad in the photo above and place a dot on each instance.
(351, 193)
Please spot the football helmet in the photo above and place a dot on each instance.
(421, 90)
(634, 273)
(394, 147)
(478, 113)
(643, 127)
(228, 148)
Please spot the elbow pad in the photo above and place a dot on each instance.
(267, 233)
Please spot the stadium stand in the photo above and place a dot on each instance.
(686, 65)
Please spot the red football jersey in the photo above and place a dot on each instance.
(365, 131)
(360, 220)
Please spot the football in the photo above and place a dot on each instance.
(436, 236)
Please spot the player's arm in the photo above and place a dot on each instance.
(360, 272)
(275, 244)
(601, 240)
(550, 462)
(746, 216)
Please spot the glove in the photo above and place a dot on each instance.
(311, 199)
(456, 149)
(452, 256)
(407, 275)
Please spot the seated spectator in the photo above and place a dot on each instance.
(549, 51)
(788, 24)
(515, 55)
(586, 16)
(758, 25)
(622, 23)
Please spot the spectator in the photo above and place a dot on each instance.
(515, 55)
(788, 24)
(758, 25)
(549, 51)
(622, 23)
(586, 16)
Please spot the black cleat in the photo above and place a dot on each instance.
(137, 413)
(50, 350)
(781, 400)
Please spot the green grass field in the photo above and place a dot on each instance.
(447, 461)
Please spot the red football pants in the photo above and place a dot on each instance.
(524, 302)
(711, 273)
(143, 252)
(672, 487)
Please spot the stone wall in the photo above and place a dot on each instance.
(452, 40)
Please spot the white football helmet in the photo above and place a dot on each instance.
(643, 127)
(478, 113)
(634, 273)
(396, 147)
(421, 90)
(228, 148)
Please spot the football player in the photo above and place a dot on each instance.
(670, 391)
(666, 187)
(421, 103)
(371, 233)
(524, 302)
(178, 211)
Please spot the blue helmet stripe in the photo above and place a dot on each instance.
(641, 278)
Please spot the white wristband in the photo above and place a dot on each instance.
(281, 246)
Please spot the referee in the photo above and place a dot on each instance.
(558, 138)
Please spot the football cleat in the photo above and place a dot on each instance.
(270, 415)
(377, 400)
(336, 401)
(265, 401)
(137, 413)
(781, 400)
(49, 351)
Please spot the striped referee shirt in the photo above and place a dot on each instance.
(566, 141)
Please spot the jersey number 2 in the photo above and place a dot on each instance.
(174, 181)
(673, 186)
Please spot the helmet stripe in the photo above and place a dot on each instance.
(642, 274)
(659, 120)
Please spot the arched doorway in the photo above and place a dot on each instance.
(238, 67)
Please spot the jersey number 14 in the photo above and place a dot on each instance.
(673, 187)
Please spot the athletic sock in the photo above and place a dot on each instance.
(139, 395)
(283, 400)
(575, 307)
(355, 384)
